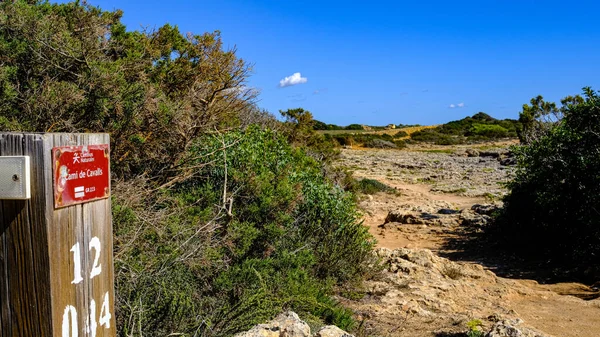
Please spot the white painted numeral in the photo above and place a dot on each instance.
(93, 326)
(96, 268)
(76, 264)
(70, 315)
(105, 315)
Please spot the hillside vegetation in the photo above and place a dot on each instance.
(479, 127)
(223, 216)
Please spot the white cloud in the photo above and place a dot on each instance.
(296, 78)
(459, 105)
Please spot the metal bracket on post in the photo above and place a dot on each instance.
(15, 177)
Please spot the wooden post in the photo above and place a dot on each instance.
(56, 263)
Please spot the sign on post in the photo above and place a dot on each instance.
(81, 173)
(56, 263)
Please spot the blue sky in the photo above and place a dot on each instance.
(410, 62)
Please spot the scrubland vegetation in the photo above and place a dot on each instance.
(479, 127)
(223, 215)
(552, 209)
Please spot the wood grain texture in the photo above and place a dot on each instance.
(36, 262)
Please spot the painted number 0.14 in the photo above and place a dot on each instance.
(69, 322)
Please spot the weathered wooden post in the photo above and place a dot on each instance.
(56, 264)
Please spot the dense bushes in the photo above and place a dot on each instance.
(256, 230)
(218, 223)
(73, 67)
(552, 208)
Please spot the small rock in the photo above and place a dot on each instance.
(471, 219)
(332, 331)
(511, 328)
(484, 209)
(510, 161)
(492, 153)
(287, 324)
(403, 218)
(472, 153)
(447, 211)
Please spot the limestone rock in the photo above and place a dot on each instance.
(287, 324)
(472, 219)
(403, 218)
(484, 209)
(472, 153)
(511, 328)
(332, 331)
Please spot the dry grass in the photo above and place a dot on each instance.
(391, 132)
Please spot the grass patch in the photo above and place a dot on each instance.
(456, 191)
(446, 151)
(372, 186)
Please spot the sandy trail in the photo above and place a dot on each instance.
(550, 308)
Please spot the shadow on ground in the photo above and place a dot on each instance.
(476, 246)
(450, 334)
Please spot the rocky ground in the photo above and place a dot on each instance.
(437, 279)
(441, 277)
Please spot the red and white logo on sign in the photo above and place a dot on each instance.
(81, 174)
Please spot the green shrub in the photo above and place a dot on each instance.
(487, 131)
(130, 85)
(475, 328)
(400, 134)
(255, 230)
(400, 143)
(380, 144)
(371, 186)
(552, 207)
(354, 127)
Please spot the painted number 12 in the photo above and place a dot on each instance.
(96, 266)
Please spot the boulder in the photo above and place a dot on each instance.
(287, 324)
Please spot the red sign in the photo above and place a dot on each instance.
(81, 174)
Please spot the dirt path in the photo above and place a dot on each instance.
(554, 309)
